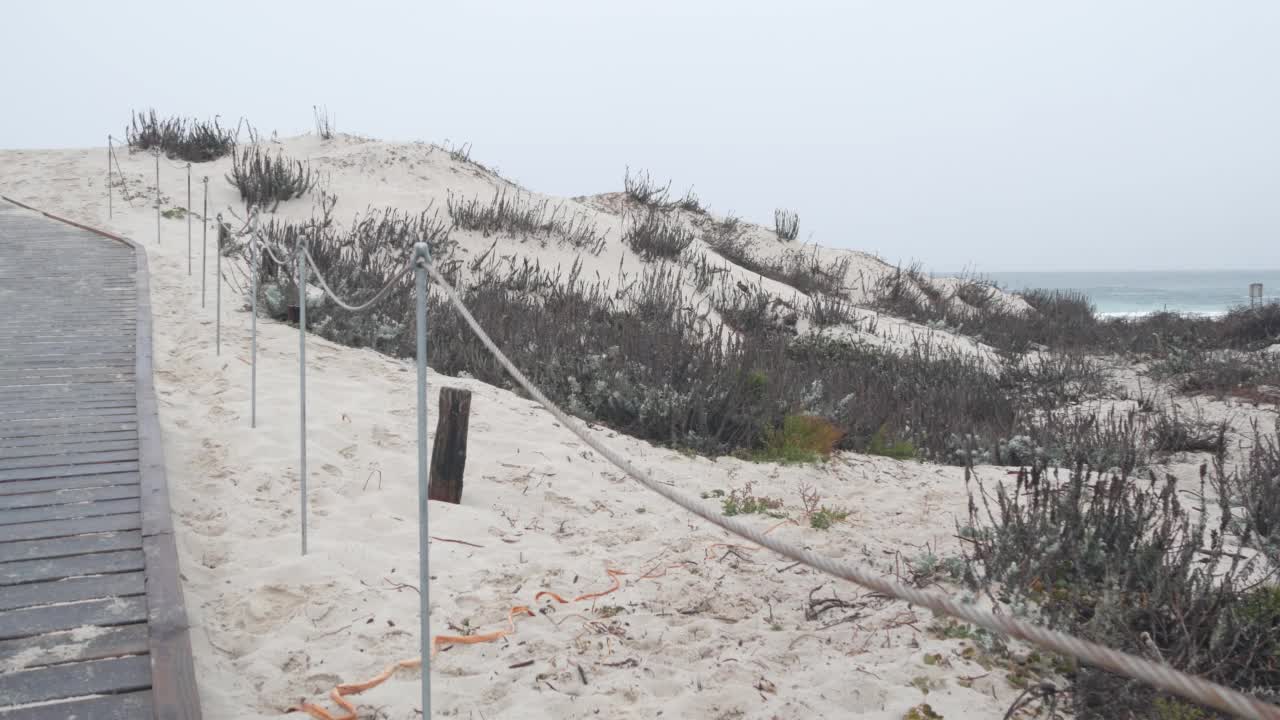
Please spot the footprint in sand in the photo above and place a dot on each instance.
(382, 437)
(267, 608)
(210, 523)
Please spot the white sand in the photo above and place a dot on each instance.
(720, 636)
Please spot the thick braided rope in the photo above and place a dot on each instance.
(366, 304)
(1160, 676)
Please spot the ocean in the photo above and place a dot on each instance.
(1138, 293)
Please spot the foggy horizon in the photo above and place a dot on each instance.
(994, 137)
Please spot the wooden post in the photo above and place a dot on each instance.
(449, 451)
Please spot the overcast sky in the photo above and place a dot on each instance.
(1000, 136)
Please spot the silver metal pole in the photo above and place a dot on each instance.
(217, 306)
(302, 377)
(110, 212)
(204, 242)
(188, 218)
(253, 325)
(157, 196)
(422, 256)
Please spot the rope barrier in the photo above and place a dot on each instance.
(1159, 676)
(368, 303)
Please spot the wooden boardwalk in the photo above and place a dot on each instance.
(92, 623)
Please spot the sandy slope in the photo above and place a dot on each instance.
(697, 629)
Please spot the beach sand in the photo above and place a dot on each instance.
(700, 626)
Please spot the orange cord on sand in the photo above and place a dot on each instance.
(613, 575)
(338, 693)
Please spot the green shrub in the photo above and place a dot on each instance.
(743, 502)
(825, 517)
(801, 439)
(896, 449)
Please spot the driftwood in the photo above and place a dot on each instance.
(449, 452)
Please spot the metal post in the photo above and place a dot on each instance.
(302, 377)
(217, 304)
(110, 212)
(204, 242)
(188, 218)
(157, 196)
(422, 256)
(253, 324)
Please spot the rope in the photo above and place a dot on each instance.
(1163, 677)
(124, 186)
(274, 257)
(368, 303)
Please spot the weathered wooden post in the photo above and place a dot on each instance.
(449, 451)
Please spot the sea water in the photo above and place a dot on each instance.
(1137, 293)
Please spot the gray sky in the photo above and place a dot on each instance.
(1007, 135)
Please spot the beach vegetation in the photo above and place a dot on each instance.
(179, 138)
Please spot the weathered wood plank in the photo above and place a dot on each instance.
(67, 497)
(63, 547)
(78, 458)
(20, 487)
(29, 571)
(66, 470)
(73, 646)
(44, 412)
(69, 528)
(23, 516)
(70, 439)
(67, 428)
(78, 589)
(59, 450)
(114, 675)
(128, 706)
(30, 621)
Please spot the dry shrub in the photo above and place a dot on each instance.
(180, 138)
(658, 237)
(1118, 560)
(786, 225)
(265, 180)
(520, 216)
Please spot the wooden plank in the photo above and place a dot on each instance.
(25, 516)
(45, 412)
(67, 497)
(127, 706)
(67, 470)
(23, 572)
(75, 458)
(69, 528)
(63, 547)
(57, 418)
(57, 450)
(30, 621)
(78, 589)
(113, 675)
(69, 439)
(66, 428)
(174, 676)
(8, 412)
(20, 487)
(72, 646)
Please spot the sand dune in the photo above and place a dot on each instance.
(699, 627)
